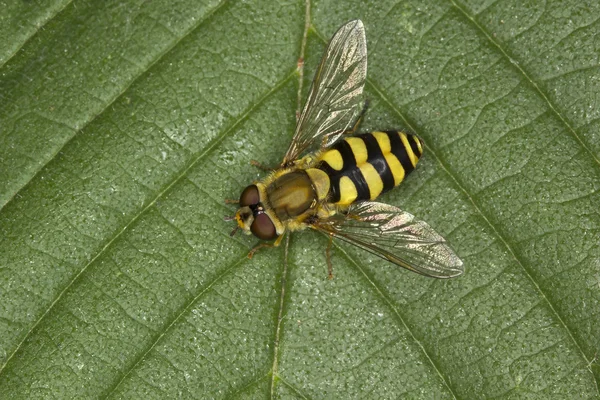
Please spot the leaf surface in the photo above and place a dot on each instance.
(124, 126)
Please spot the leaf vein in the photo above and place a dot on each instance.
(207, 150)
(381, 294)
(528, 78)
(113, 100)
(500, 237)
(184, 310)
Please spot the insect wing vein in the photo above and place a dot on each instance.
(335, 96)
(394, 235)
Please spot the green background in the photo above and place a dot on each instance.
(124, 126)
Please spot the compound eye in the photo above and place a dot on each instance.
(249, 196)
(263, 227)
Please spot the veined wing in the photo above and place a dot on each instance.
(335, 96)
(395, 235)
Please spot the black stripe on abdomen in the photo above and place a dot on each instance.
(349, 169)
(399, 150)
(413, 139)
(377, 160)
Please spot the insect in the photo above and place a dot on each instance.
(329, 176)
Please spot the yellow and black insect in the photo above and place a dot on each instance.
(332, 189)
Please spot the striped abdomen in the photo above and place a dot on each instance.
(363, 167)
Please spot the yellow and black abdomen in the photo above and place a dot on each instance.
(363, 167)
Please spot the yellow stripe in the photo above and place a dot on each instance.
(320, 182)
(373, 180)
(395, 167)
(348, 191)
(383, 141)
(411, 155)
(359, 149)
(416, 139)
(334, 159)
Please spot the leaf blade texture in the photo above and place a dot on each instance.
(124, 127)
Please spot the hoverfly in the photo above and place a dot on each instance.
(332, 188)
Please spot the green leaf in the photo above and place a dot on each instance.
(124, 126)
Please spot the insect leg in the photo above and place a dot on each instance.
(263, 245)
(257, 164)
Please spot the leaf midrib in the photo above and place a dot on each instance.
(212, 145)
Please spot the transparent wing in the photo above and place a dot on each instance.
(335, 96)
(395, 235)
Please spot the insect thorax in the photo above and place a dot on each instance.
(291, 194)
